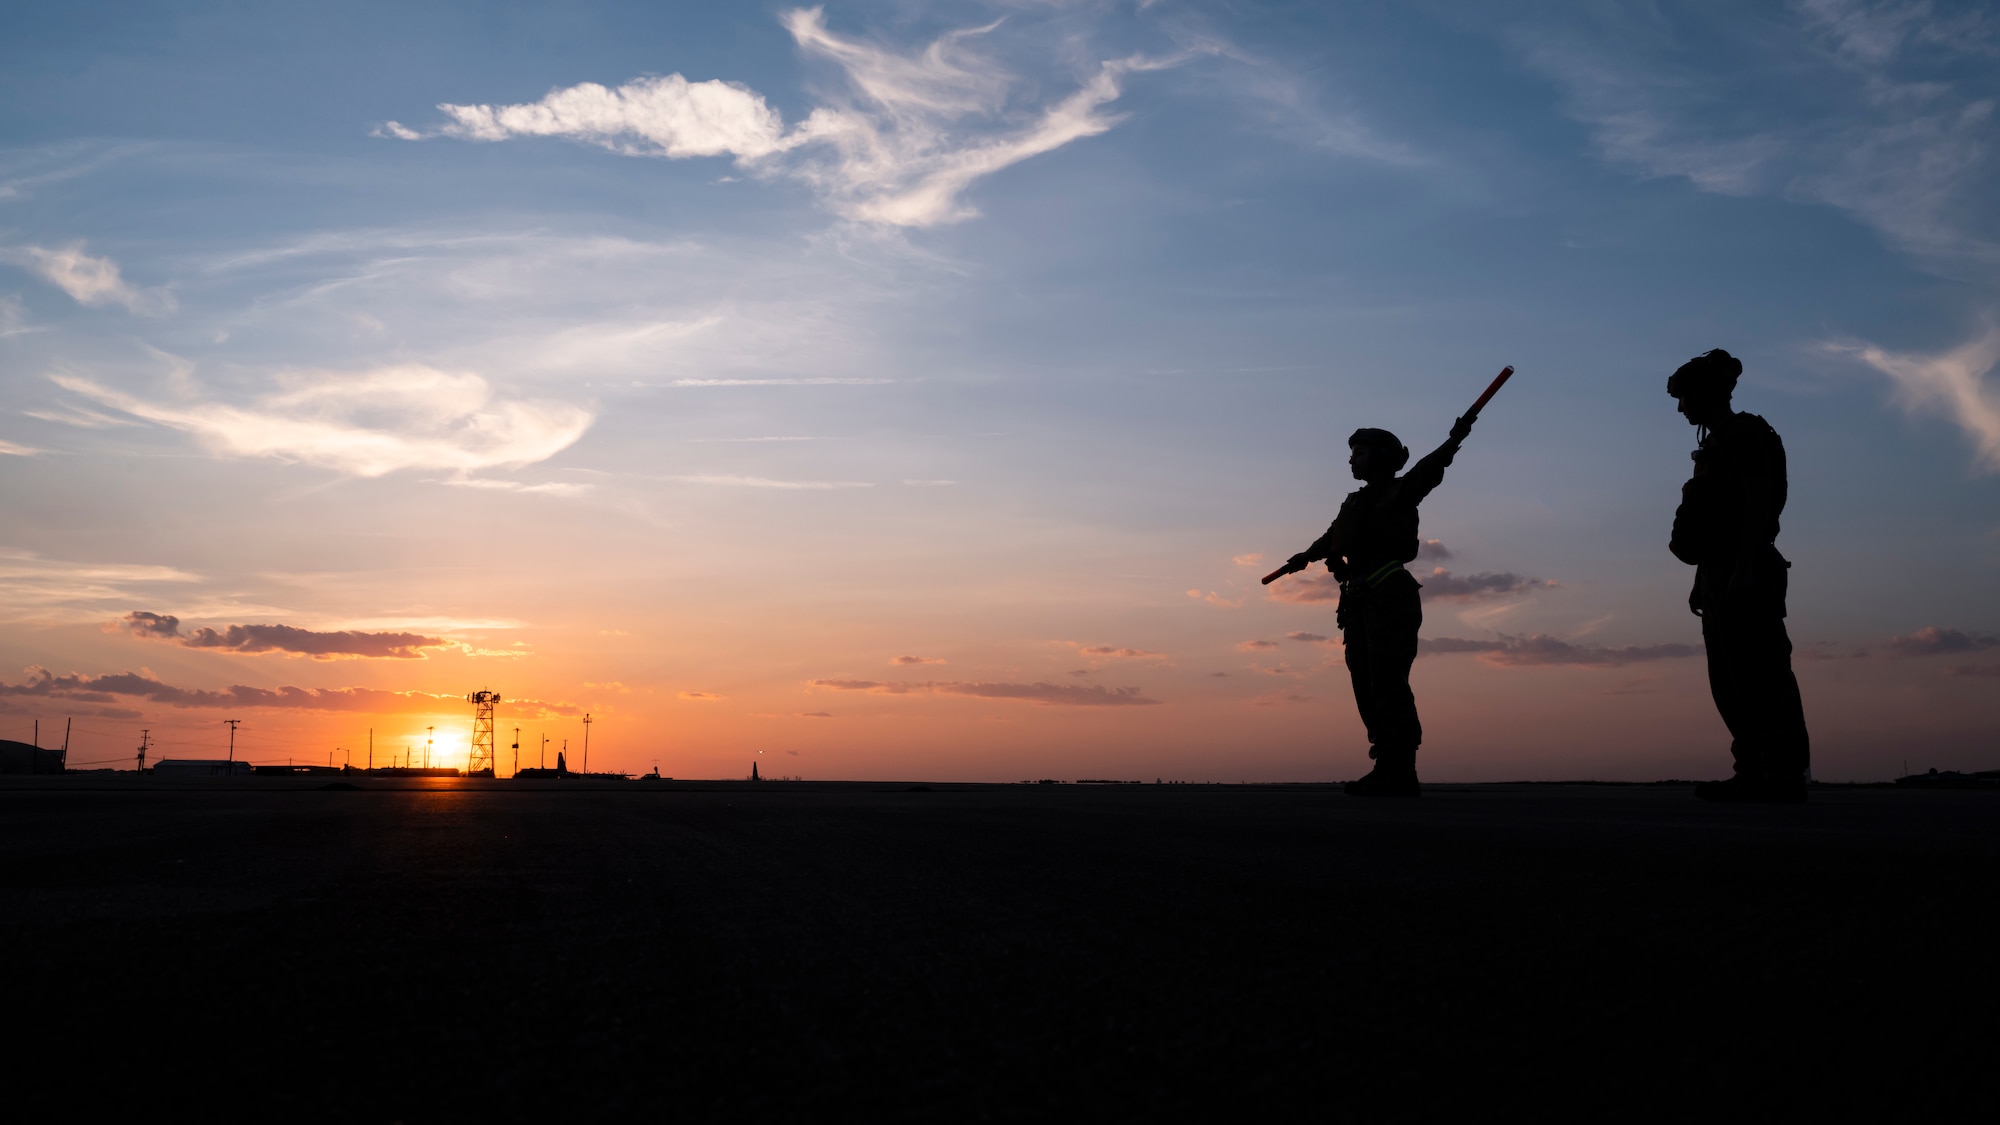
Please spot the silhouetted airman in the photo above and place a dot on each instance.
(1727, 528)
(1380, 609)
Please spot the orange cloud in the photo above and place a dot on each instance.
(1931, 640)
(1070, 695)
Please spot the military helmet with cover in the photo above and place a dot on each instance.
(1712, 373)
(1392, 451)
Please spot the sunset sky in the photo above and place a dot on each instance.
(897, 390)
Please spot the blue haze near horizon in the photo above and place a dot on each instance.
(1134, 355)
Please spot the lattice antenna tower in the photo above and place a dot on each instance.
(481, 758)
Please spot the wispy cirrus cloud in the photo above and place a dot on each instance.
(1824, 104)
(733, 480)
(1062, 695)
(1957, 383)
(90, 280)
(320, 645)
(546, 488)
(368, 423)
(13, 317)
(899, 144)
(31, 585)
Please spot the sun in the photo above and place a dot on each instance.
(449, 748)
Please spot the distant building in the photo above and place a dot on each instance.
(26, 757)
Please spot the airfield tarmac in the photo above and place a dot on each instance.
(419, 950)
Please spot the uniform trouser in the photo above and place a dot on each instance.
(1750, 675)
(1379, 629)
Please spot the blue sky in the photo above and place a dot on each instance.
(678, 365)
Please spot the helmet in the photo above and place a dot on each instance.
(1712, 372)
(1393, 452)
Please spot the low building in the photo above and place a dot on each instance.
(200, 767)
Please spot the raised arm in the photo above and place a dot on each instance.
(1428, 473)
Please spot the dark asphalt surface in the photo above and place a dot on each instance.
(432, 951)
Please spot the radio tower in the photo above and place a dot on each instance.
(482, 732)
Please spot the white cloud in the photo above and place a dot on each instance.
(1954, 383)
(900, 147)
(91, 281)
(735, 481)
(10, 449)
(369, 423)
(667, 116)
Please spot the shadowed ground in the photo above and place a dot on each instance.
(456, 950)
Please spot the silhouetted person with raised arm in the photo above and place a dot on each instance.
(1380, 611)
(1727, 529)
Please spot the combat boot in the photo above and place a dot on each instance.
(1394, 775)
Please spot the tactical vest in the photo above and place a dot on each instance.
(1708, 523)
(1380, 528)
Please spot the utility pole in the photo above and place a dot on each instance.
(586, 742)
(232, 741)
(517, 749)
(545, 751)
(428, 733)
(144, 737)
